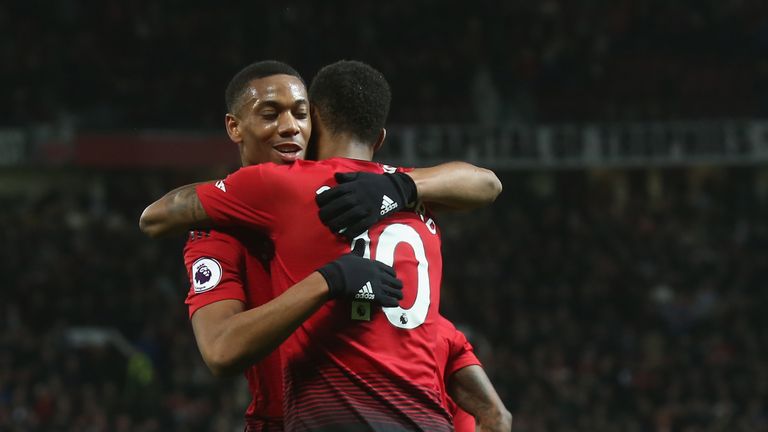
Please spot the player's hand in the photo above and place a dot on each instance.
(356, 278)
(361, 199)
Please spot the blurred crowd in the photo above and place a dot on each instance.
(625, 302)
(598, 301)
(114, 64)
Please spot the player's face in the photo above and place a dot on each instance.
(272, 123)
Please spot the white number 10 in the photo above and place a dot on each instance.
(385, 252)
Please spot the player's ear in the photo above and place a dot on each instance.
(380, 140)
(232, 124)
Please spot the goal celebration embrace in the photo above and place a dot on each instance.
(316, 271)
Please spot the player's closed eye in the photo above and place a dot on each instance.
(269, 115)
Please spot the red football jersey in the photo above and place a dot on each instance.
(454, 352)
(351, 363)
(224, 265)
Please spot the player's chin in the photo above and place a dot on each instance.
(279, 157)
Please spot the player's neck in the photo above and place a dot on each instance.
(342, 145)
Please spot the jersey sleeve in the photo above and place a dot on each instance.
(461, 354)
(214, 262)
(245, 198)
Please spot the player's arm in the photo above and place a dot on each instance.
(455, 186)
(231, 338)
(174, 213)
(471, 389)
(469, 386)
(244, 198)
(362, 199)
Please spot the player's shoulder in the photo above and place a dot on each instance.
(448, 332)
(266, 169)
(345, 164)
(200, 236)
(287, 173)
(331, 163)
(444, 326)
(213, 242)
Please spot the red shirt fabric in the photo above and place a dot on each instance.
(454, 352)
(231, 265)
(350, 365)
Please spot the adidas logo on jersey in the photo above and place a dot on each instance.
(366, 292)
(387, 205)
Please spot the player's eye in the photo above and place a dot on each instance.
(269, 115)
(301, 114)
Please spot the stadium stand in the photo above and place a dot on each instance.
(112, 64)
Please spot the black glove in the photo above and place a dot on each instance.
(356, 278)
(361, 199)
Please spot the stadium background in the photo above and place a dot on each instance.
(616, 285)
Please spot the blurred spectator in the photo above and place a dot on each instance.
(114, 64)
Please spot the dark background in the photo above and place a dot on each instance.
(599, 298)
(115, 64)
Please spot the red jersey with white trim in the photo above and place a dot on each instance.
(454, 352)
(232, 265)
(351, 365)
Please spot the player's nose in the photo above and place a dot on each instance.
(287, 126)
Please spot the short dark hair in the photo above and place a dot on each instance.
(352, 97)
(261, 69)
